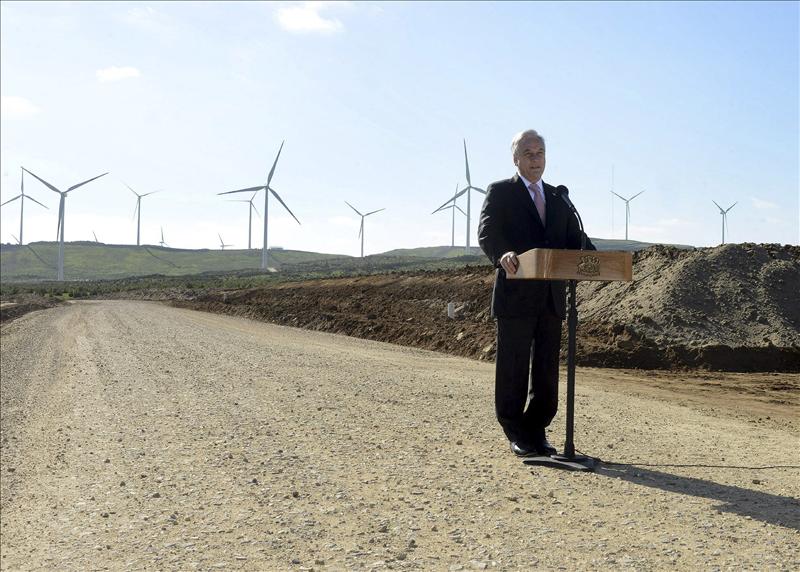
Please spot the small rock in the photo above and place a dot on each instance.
(156, 495)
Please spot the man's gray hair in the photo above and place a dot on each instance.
(524, 136)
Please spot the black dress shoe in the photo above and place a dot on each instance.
(521, 449)
(542, 446)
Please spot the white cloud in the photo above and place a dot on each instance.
(115, 73)
(759, 204)
(14, 107)
(307, 17)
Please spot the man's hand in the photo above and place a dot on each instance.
(509, 262)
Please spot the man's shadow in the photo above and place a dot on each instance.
(766, 507)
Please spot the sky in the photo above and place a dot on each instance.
(689, 102)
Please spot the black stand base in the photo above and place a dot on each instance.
(575, 463)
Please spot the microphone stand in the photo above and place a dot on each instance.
(569, 460)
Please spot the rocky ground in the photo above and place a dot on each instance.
(138, 436)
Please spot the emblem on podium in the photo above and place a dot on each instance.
(589, 265)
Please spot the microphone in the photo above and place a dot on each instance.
(563, 192)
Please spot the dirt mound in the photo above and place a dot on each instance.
(731, 308)
(734, 307)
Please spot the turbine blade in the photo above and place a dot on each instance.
(466, 162)
(73, 187)
(620, 196)
(280, 200)
(479, 190)
(34, 200)
(256, 189)
(354, 208)
(10, 200)
(45, 183)
(15, 238)
(452, 200)
(136, 208)
(460, 209)
(361, 228)
(150, 193)
(129, 187)
(636, 195)
(730, 207)
(60, 217)
(377, 211)
(272, 171)
(254, 208)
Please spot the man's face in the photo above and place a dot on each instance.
(530, 159)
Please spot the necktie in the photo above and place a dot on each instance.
(538, 201)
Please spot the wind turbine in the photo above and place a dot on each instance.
(138, 210)
(453, 207)
(21, 196)
(361, 228)
(267, 190)
(467, 190)
(250, 210)
(95, 236)
(222, 244)
(162, 243)
(627, 209)
(60, 230)
(724, 213)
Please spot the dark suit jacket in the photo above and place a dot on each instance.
(509, 221)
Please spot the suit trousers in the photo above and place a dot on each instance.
(527, 348)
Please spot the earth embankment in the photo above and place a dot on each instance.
(729, 308)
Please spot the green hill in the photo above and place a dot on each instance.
(95, 261)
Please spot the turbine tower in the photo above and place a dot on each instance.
(453, 207)
(138, 210)
(267, 190)
(361, 228)
(60, 230)
(467, 190)
(250, 210)
(627, 209)
(162, 243)
(222, 244)
(724, 213)
(21, 196)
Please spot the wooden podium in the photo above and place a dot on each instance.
(571, 265)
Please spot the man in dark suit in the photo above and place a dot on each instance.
(518, 214)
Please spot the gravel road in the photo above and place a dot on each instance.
(138, 436)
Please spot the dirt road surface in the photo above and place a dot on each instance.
(138, 436)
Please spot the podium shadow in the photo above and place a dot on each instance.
(766, 507)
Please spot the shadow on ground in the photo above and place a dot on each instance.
(765, 507)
